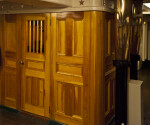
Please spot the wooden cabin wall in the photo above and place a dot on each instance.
(36, 63)
(11, 84)
(71, 58)
(102, 73)
(79, 74)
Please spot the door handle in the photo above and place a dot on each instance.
(21, 62)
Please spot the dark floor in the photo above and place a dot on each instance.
(144, 75)
(11, 117)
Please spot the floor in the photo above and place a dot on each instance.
(13, 117)
(144, 75)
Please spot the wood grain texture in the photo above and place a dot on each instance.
(69, 67)
(11, 56)
(36, 71)
(109, 68)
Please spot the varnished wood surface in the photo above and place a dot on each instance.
(36, 70)
(10, 51)
(69, 44)
(70, 70)
(109, 39)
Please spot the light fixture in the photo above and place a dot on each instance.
(147, 4)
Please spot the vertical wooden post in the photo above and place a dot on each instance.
(41, 36)
(37, 39)
(30, 36)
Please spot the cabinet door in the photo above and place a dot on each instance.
(71, 50)
(35, 64)
(11, 47)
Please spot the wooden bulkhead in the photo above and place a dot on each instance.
(59, 65)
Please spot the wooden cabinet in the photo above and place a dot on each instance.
(66, 71)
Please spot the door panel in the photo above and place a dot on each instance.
(70, 37)
(11, 92)
(36, 64)
(109, 68)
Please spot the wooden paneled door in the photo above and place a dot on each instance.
(36, 64)
(71, 51)
(11, 72)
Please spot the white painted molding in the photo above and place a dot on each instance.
(55, 6)
(105, 9)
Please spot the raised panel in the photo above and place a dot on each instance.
(34, 73)
(69, 69)
(35, 65)
(69, 60)
(107, 98)
(10, 88)
(70, 36)
(78, 38)
(10, 37)
(61, 37)
(35, 56)
(69, 100)
(69, 79)
(109, 94)
(10, 62)
(34, 91)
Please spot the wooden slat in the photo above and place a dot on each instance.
(30, 36)
(37, 39)
(34, 36)
(41, 36)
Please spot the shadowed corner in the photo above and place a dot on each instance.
(52, 122)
